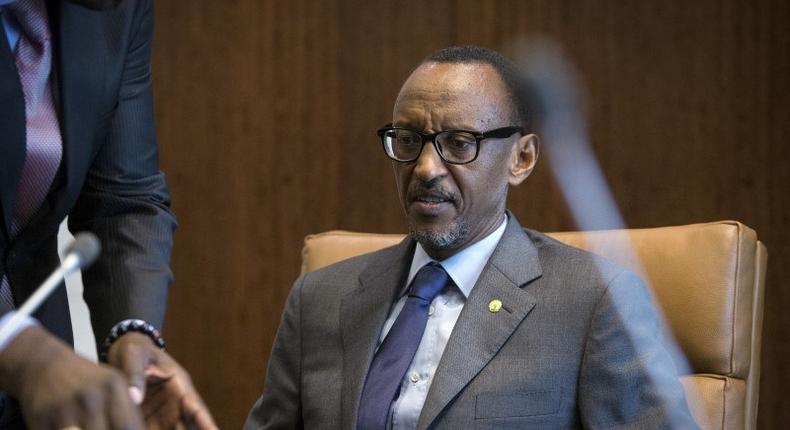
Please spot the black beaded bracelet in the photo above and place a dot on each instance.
(126, 326)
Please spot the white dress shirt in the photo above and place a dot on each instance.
(464, 268)
(10, 25)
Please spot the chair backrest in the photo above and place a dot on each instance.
(707, 278)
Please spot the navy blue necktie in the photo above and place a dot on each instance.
(395, 354)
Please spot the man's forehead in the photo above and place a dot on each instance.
(473, 91)
(454, 79)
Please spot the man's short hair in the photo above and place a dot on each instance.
(515, 85)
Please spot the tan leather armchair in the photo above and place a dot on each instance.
(707, 278)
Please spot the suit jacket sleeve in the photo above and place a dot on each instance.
(125, 201)
(628, 379)
(279, 407)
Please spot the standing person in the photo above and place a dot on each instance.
(77, 138)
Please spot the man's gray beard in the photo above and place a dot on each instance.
(452, 236)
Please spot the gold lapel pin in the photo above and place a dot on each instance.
(494, 306)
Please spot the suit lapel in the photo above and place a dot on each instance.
(479, 334)
(363, 312)
(12, 134)
(81, 51)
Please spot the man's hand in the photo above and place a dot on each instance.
(169, 400)
(57, 388)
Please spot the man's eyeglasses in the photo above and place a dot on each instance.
(453, 146)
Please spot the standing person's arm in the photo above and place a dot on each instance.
(125, 202)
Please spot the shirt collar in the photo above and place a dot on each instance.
(12, 29)
(464, 267)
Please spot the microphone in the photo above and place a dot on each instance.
(82, 252)
(79, 254)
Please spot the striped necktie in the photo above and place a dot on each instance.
(44, 148)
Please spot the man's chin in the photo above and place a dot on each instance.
(439, 237)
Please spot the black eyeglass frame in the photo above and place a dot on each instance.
(497, 133)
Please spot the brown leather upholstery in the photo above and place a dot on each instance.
(707, 278)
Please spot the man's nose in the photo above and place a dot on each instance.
(429, 164)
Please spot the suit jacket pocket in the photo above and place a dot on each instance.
(517, 404)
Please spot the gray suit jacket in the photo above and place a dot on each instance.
(576, 344)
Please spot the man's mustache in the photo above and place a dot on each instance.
(429, 190)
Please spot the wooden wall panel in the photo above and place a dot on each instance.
(267, 113)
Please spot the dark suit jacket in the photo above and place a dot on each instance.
(576, 344)
(109, 180)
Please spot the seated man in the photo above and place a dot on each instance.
(472, 321)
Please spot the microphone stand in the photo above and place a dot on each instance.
(80, 254)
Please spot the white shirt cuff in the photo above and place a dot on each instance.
(7, 334)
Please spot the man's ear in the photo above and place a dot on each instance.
(524, 158)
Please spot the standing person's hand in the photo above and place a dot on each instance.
(58, 389)
(169, 400)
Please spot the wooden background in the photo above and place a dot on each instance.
(267, 113)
